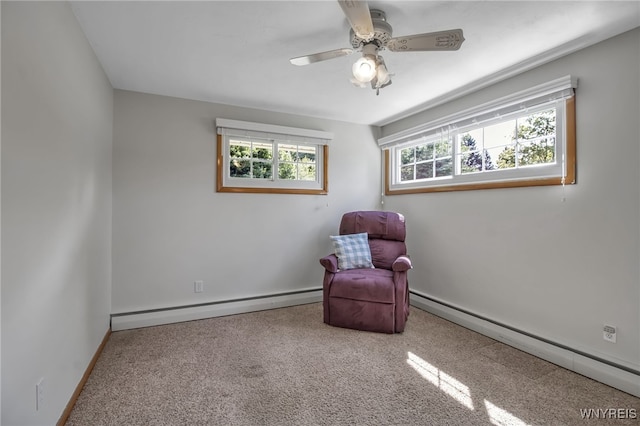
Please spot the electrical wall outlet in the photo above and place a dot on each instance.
(609, 333)
(40, 394)
(198, 286)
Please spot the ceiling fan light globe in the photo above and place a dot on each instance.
(364, 69)
(382, 74)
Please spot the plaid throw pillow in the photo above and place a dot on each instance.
(352, 250)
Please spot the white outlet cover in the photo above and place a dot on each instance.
(609, 333)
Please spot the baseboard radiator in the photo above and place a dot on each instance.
(618, 376)
(152, 317)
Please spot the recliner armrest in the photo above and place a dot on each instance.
(401, 264)
(330, 263)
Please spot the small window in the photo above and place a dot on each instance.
(523, 140)
(264, 161)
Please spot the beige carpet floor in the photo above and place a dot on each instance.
(286, 367)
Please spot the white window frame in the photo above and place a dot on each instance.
(556, 94)
(229, 130)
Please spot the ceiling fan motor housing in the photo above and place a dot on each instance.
(382, 31)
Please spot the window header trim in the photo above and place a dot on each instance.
(248, 128)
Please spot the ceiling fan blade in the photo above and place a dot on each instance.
(322, 56)
(441, 40)
(359, 17)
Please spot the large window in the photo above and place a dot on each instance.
(525, 139)
(255, 157)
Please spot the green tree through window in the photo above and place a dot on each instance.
(426, 161)
(250, 159)
(255, 160)
(472, 158)
(534, 142)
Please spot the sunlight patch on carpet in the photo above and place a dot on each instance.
(501, 417)
(452, 387)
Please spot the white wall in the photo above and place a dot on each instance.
(57, 115)
(525, 258)
(0, 225)
(171, 227)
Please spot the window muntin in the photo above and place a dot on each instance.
(254, 159)
(250, 159)
(428, 159)
(524, 141)
(297, 162)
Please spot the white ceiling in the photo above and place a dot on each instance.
(237, 52)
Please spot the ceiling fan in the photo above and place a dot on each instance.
(370, 33)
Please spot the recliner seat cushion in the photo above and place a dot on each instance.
(371, 285)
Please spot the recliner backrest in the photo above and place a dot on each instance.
(386, 231)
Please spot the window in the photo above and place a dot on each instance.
(526, 139)
(254, 157)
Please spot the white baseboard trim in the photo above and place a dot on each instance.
(615, 377)
(125, 321)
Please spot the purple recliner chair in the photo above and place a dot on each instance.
(371, 299)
